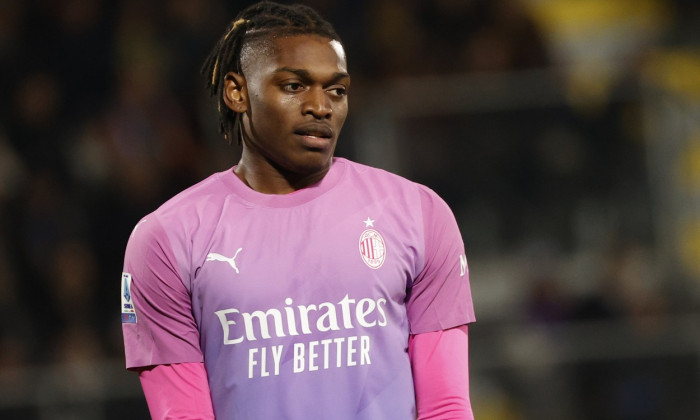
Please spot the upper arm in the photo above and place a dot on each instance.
(163, 329)
(440, 296)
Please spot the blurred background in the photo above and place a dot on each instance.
(564, 134)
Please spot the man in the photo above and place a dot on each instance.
(296, 285)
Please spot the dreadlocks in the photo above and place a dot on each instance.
(257, 21)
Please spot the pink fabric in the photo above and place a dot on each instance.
(164, 331)
(439, 361)
(440, 296)
(177, 392)
(440, 366)
(281, 298)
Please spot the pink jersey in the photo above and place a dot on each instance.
(300, 305)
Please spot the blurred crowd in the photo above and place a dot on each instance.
(103, 116)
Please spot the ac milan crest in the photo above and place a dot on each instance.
(372, 248)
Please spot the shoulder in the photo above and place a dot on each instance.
(361, 173)
(198, 205)
(210, 190)
(368, 178)
(359, 169)
(186, 210)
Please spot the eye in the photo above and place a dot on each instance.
(338, 91)
(292, 87)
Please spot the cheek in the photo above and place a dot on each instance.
(275, 107)
(287, 105)
(341, 112)
(266, 115)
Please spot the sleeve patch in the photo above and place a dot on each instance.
(128, 312)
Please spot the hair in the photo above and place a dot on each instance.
(263, 19)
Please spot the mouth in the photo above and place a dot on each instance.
(318, 131)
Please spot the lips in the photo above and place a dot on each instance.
(315, 130)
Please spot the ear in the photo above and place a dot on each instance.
(235, 92)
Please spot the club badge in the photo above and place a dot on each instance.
(372, 246)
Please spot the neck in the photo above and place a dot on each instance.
(268, 178)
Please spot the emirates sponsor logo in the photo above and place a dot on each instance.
(310, 349)
(295, 320)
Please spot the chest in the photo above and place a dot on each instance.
(263, 258)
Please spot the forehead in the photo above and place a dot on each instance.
(308, 52)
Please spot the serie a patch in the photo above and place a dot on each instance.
(128, 311)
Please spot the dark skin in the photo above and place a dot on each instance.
(292, 94)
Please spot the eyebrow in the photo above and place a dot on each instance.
(306, 76)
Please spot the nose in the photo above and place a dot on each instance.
(318, 104)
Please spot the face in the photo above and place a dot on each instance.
(293, 96)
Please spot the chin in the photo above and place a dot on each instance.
(310, 165)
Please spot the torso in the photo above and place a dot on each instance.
(307, 292)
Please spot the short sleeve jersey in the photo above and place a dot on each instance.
(299, 305)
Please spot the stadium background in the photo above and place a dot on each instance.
(565, 134)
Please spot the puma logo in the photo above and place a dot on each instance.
(213, 256)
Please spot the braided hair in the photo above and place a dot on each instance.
(260, 20)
